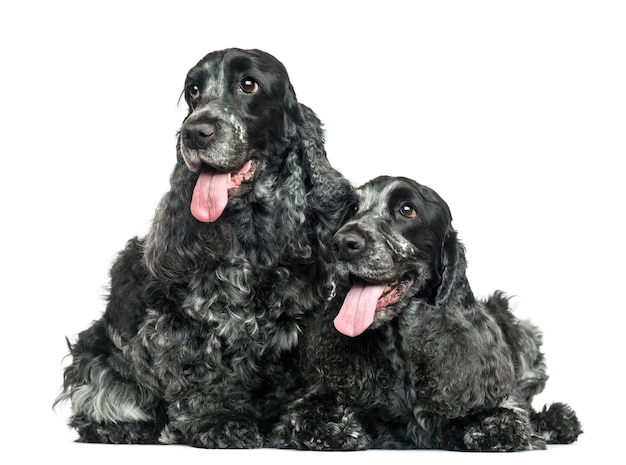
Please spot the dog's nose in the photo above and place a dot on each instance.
(348, 246)
(198, 135)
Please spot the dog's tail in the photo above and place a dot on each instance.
(556, 424)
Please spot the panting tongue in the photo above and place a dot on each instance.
(210, 196)
(357, 312)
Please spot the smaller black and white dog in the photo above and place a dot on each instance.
(405, 356)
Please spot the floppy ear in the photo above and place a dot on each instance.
(330, 194)
(320, 192)
(328, 189)
(453, 265)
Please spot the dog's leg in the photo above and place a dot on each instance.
(196, 421)
(109, 402)
(209, 405)
(129, 432)
(107, 406)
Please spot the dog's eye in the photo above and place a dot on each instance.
(407, 210)
(353, 211)
(248, 85)
(194, 92)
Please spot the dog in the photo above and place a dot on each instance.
(405, 356)
(199, 340)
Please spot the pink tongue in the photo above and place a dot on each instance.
(210, 196)
(359, 306)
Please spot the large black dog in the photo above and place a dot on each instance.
(405, 356)
(197, 344)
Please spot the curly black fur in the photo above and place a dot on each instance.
(421, 363)
(199, 339)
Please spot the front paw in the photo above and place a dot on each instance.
(557, 424)
(500, 430)
(228, 435)
(335, 429)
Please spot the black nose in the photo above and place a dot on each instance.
(198, 134)
(348, 245)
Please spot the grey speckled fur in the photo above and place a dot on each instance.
(436, 368)
(199, 341)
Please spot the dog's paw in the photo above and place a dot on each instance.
(114, 433)
(501, 430)
(336, 430)
(228, 435)
(557, 424)
(170, 435)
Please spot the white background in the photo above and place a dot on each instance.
(515, 112)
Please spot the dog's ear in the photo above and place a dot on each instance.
(326, 195)
(331, 196)
(292, 113)
(305, 131)
(453, 265)
(450, 263)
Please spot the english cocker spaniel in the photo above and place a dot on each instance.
(405, 356)
(199, 338)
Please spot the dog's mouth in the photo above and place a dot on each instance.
(210, 196)
(364, 299)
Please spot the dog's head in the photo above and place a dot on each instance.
(239, 103)
(391, 251)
